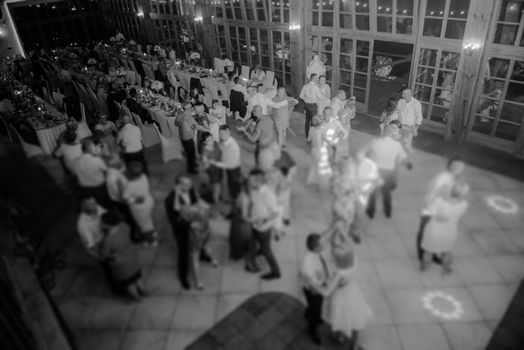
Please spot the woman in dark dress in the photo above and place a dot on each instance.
(240, 235)
(210, 151)
(122, 256)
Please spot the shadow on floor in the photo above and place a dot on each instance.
(266, 321)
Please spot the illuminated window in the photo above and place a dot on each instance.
(510, 24)
(323, 13)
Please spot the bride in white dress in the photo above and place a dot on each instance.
(348, 311)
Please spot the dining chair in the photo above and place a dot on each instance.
(171, 147)
(83, 129)
(270, 79)
(149, 135)
(245, 71)
(29, 149)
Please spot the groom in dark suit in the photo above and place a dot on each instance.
(178, 199)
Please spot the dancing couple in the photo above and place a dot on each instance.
(328, 274)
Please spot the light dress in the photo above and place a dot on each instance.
(442, 230)
(320, 171)
(348, 310)
(326, 100)
(141, 212)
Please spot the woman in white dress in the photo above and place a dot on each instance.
(325, 91)
(442, 230)
(348, 311)
(320, 171)
(137, 195)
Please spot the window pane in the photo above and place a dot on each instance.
(422, 93)
(315, 18)
(506, 34)
(384, 6)
(435, 8)
(512, 112)
(518, 71)
(345, 77)
(361, 80)
(362, 65)
(346, 21)
(264, 35)
(345, 62)
(327, 19)
(511, 11)
(345, 6)
(261, 14)
(404, 25)
(498, 67)
(362, 6)
(459, 8)
(449, 60)
(444, 95)
(315, 43)
(439, 114)
(425, 75)
(345, 46)
(432, 27)
(507, 131)
(328, 5)
(327, 43)
(265, 62)
(316, 4)
(483, 125)
(455, 29)
(384, 24)
(326, 58)
(362, 48)
(428, 57)
(405, 7)
(362, 22)
(515, 92)
(360, 95)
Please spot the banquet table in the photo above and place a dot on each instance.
(213, 84)
(48, 131)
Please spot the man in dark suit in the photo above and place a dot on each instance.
(177, 201)
(137, 108)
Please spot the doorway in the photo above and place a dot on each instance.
(390, 71)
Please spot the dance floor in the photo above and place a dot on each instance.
(412, 310)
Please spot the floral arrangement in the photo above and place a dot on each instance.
(157, 85)
(194, 56)
(229, 64)
(120, 72)
(282, 51)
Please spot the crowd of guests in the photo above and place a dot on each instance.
(109, 173)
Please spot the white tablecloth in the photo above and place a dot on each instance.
(48, 137)
(212, 84)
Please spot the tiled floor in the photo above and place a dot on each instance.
(489, 264)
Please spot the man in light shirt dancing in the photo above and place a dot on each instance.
(410, 116)
(311, 94)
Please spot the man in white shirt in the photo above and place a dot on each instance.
(387, 153)
(90, 171)
(88, 225)
(440, 186)
(69, 151)
(263, 101)
(314, 273)
(311, 94)
(262, 213)
(410, 116)
(130, 139)
(230, 161)
(338, 102)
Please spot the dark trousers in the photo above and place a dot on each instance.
(189, 150)
(313, 310)
(390, 183)
(99, 193)
(181, 233)
(234, 182)
(424, 220)
(137, 157)
(264, 240)
(311, 111)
